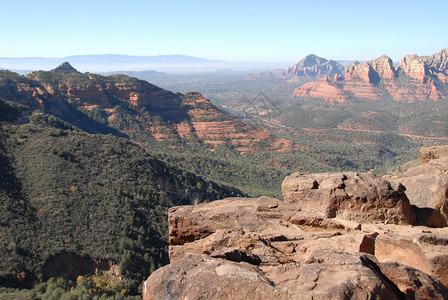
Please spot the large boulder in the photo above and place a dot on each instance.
(426, 251)
(427, 185)
(361, 197)
(414, 283)
(326, 275)
(429, 153)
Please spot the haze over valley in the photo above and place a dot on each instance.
(224, 150)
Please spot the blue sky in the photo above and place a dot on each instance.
(278, 30)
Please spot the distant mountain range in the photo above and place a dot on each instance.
(414, 78)
(112, 62)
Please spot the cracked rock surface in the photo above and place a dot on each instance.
(241, 248)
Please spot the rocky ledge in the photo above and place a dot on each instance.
(336, 236)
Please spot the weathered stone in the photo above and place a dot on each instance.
(384, 67)
(424, 251)
(414, 283)
(363, 72)
(327, 275)
(240, 248)
(203, 277)
(429, 153)
(438, 61)
(415, 67)
(360, 197)
(427, 186)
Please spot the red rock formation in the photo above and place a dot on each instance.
(416, 79)
(362, 72)
(316, 67)
(414, 67)
(170, 116)
(323, 89)
(359, 197)
(427, 184)
(264, 248)
(365, 90)
(438, 61)
(384, 67)
(416, 91)
(372, 71)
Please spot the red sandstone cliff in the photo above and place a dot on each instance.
(127, 102)
(415, 79)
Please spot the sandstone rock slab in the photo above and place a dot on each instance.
(361, 197)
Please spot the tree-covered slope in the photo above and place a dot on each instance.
(74, 203)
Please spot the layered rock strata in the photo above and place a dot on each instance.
(126, 103)
(415, 79)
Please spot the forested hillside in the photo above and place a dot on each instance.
(74, 203)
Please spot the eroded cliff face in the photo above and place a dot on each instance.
(336, 234)
(438, 61)
(315, 66)
(323, 89)
(121, 100)
(415, 79)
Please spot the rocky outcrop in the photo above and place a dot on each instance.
(383, 66)
(360, 197)
(438, 61)
(315, 66)
(126, 103)
(415, 67)
(372, 71)
(65, 68)
(328, 275)
(264, 248)
(415, 79)
(429, 153)
(413, 283)
(323, 89)
(362, 72)
(427, 183)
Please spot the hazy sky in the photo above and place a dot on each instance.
(230, 30)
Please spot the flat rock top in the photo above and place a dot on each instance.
(336, 236)
(242, 248)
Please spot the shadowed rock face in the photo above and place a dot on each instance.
(241, 248)
(427, 184)
(438, 61)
